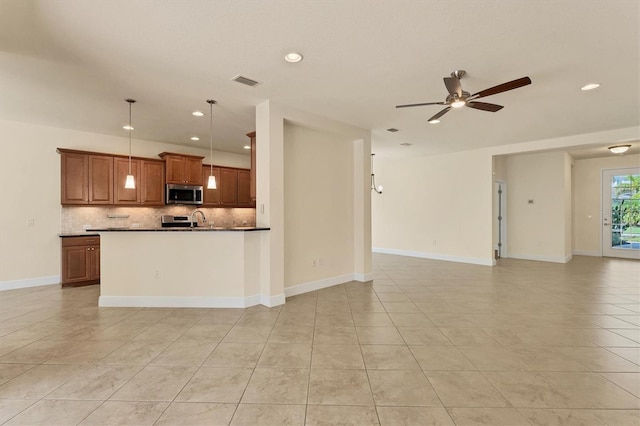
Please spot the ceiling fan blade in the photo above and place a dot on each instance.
(484, 106)
(415, 105)
(453, 86)
(440, 114)
(502, 87)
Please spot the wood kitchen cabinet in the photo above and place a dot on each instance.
(86, 178)
(228, 187)
(252, 179)
(149, 177)
(80, 261)
(182, 169)
(210, 197)
(244, 189)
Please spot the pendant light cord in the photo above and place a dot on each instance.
(129, 136)
(211, 102)
(130, 101)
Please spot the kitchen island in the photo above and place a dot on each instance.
(185, 267)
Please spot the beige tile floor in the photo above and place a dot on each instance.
(425, 343)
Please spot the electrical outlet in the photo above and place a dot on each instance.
(135, 225)
(435, 243)
(314, 262)
(157, 274)
(320, 261)
(86, 226)
(31, 222)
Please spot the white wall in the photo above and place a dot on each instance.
(537, 204)
(318, 205)
(436, 207)
(587, 190)
(278, 199)
(30, 172)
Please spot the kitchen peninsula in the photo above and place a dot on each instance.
(183, 267)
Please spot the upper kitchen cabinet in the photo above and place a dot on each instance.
(244, 190)
(182, 169)
(149, 178)
(85, 178)
(210, 197)
(252, 176)
(228, 187)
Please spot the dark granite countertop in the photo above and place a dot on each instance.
(197, 229)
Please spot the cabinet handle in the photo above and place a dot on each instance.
(88, 249)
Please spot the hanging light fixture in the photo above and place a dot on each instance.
(377, 188)
(130, 182)
(211, 183)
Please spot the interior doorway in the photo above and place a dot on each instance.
(621, 213)
(500, 218)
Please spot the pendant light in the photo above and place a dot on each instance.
(211, 183)
(377, 188)
(130, 182)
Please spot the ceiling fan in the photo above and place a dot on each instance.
(458, 98)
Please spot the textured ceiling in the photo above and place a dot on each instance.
(71, 63)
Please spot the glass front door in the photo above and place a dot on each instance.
(621, 213)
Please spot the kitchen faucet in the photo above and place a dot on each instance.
(193, 214)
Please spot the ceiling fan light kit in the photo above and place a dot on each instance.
(458, 98)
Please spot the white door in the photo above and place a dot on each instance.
(621, 213)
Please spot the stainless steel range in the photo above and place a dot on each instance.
(169, 221)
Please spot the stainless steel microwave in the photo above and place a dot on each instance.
(183, 194)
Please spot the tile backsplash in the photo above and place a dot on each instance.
(77, 219)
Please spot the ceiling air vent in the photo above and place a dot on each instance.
(392, 130)
(406, 144)
(245, 81)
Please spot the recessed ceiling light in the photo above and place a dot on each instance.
(247, 147)
(619, 149)
(198, 113)
(392, 130)
(293, 57)
(406, 144)
(436, 121)
(195, 138)
(590, 86)
(127, 127)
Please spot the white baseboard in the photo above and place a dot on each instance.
(587, 253)
(188, 302)
(271, 301)
(363, 278)
(436, 256)
(318, 285)
(29, 282)
(553, 259)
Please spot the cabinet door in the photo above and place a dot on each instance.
(75, 264)
(228, 187)
(244, 188)
(210, 197)
(175, 169)
(152, 183)
(94, 263)
(100, 179)
(122, 195)
(193, 171)
(74, 179)
(252, 187)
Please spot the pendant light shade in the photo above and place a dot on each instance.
(374, 187)
(211, 183)
(130, 182)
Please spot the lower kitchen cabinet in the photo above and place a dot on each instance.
(80, 260)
